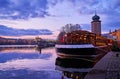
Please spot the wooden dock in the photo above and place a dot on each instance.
(107, 68)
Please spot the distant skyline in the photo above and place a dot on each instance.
(53, 14)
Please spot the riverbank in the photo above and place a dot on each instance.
(107, 68)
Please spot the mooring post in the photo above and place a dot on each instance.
(117, 55)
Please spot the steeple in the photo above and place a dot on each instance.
(95, 12)
(95, 17)
(96, 24)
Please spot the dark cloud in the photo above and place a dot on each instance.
(4, 3)
(102, 6)
(22, 9)
(109, 8)
(25, 9)
(52, 2)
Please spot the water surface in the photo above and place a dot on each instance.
(29, 63)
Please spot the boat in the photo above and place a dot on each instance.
(81, 44)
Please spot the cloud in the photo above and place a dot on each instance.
(86, 6)
(22, 9)
(108, 10)
(7, 31)
(62, 11)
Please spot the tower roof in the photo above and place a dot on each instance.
(95, 18)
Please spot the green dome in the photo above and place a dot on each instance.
(95, 18)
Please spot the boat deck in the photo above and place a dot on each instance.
(107, 68)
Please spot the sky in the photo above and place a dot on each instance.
(53, 14)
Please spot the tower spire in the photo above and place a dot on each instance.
(95, 12)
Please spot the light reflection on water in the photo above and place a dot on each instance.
(28, 63)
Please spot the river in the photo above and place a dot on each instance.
(29, 63)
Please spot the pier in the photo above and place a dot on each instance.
(107, 68)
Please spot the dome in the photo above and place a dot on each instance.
(95, 18)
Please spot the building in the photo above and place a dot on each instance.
(116, 34)
(96, 24)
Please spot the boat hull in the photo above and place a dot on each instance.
(76, 50)
(79, 51)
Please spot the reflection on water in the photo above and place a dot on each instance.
(10, 54)
(29, 63)
(73, 68)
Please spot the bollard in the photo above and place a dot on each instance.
(117, 55)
